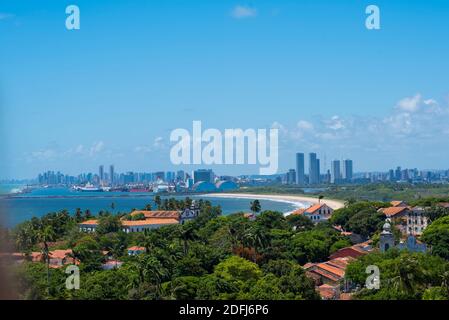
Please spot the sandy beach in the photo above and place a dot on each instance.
(297, 200)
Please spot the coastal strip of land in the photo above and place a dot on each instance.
(299, 201)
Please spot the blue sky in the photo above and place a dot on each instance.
(113, 91)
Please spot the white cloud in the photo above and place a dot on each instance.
(241, 12)
(410, 104)
(335, 123)
(304, 125)
(96, 148)
(394, 134)
(157, 145)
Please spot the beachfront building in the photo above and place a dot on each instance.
(316, 213)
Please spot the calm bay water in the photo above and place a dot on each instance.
(21, 207)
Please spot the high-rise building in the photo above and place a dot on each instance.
(335, 171)
(159, 176)
(347, 170)
(180, 175)
(203, 175)
(291, 176)
(314, 169)
(111, 174)
(300, 169)
(101, 173)
(398, 174)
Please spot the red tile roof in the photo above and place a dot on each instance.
(136, 248)
(393, 211)
(314, 208)
(151, 221)
(157, 214)
(327, 292)
(89, 222)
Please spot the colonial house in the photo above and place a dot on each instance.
(331, 272)
(316, 213)
(88, 226)
(410, 221)
(135, 250)
(387, 241)
(57, 258)
(329, 276)
(416, 221)
(398, 215)
(147, 224)
(398, 204)
(150, 220)
(354, 251)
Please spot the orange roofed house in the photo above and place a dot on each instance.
(329, 276)
(410, 221)
(58, 258)
(151, 220)
(316, 213)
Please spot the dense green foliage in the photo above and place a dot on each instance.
(224, 257)
(212, 257)
(437, 235)
(403, 275)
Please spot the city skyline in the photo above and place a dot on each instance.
(113, 91)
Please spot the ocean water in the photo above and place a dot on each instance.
(16, 208)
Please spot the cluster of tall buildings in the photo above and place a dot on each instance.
(340, 172)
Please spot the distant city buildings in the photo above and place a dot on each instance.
(314, 169)
(300, 174)
(335, 171)
(203, 175)
(347, 170)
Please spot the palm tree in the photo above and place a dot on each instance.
(78, 215)
(46, 234)
(188, 234)
(320, 197)
(147, 207)
(256, 238)
(87, 214)
(409, 273)
(158, 202)
(255, 206)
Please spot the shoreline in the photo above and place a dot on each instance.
(299, 201)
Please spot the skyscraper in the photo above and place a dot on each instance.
(101, 173)
(111, 174)
(291, 176)
(347, 170)
(335, 171)
(314, 169)
(203, 175)
(300, 169)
